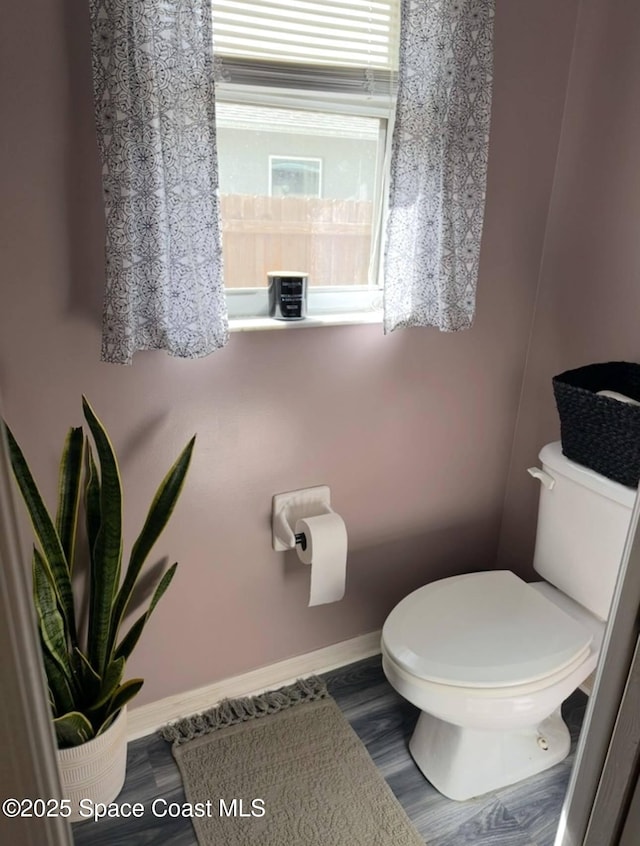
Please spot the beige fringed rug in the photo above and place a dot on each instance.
(284, 769)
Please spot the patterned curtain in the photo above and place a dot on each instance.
(154, 99)
(439, 163)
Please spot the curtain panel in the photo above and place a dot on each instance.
(438, 163)
(155, 119)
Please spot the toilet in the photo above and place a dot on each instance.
(489, 659)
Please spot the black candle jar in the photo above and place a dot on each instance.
(288, 295)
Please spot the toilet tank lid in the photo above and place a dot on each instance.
(487, 629)
(553, 458)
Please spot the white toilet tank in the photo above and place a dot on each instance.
(583, 520)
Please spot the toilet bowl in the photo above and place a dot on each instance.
(486, 693)
(489, 659)
(490, 714)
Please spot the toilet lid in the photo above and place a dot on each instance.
(487, 629)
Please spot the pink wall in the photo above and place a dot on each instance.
(589, 301)
(411, 431)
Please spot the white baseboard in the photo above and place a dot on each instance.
(148, 718)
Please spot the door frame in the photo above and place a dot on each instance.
(604, 772)
(28, 764)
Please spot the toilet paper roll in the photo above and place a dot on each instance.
(616, 396)
(326, 552)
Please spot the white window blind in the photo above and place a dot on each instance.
(335, 33)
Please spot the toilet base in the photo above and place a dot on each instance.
(462, 763)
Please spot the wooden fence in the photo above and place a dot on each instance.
(328, 239)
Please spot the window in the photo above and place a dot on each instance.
(304, 96)
(295, 176)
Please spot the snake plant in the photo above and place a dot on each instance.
(85, 669)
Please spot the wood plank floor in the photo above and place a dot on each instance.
(525, 814)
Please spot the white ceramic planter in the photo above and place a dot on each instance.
(95, 770)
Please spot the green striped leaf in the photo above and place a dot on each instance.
(123, 694)
(88, 681)
(110, 683)
(46, 533)
(127, 645)
(58, 683)
(159, 513)
(69, 479)
(92, 502)
(72, 729)
(50, 621)
(107, 553)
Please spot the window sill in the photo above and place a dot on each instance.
(314, 321)
(334, 306)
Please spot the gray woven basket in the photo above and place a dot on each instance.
(599, 432)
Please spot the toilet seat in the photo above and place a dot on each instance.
(483, 630)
